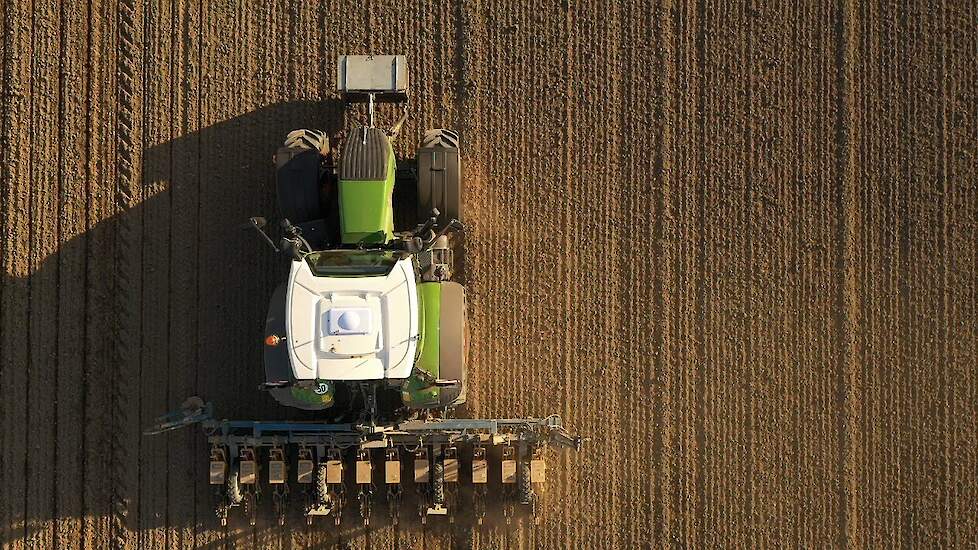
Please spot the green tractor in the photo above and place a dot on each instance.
(370, 323)
(370, 330)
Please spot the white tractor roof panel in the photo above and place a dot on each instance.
(352, 328)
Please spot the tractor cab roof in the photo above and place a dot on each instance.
(343, 325)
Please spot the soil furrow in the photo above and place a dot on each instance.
(100, 301)
(71, 265)
(208, 381)
(17, 90)
(961, 94)
(734, 245)
(156, 298)
(185, 451)
(43, 242)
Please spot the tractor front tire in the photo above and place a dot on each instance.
(308, 139)
(439, 166)
(440, 137)
(299, 176)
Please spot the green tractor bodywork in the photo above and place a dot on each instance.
(366, 189)
(366, 186)
(441, 351)
(417, 393)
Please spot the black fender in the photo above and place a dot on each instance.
(452, 352)
(276, 358)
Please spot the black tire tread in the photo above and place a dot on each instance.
(440, 137)
(308, 139)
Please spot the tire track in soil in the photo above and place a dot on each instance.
(126, 458)
(658, 266)
(847, 316)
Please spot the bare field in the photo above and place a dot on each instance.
(734, 246)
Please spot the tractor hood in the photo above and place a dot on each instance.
(352, 327)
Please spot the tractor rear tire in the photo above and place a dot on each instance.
(233, 487)
(308, 139)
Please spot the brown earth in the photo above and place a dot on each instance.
(734, 246)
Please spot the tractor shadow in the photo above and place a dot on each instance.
(156, 301)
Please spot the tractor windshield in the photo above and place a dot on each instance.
(352, 263)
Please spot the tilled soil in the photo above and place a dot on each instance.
(735, 247)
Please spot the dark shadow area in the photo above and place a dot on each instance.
(162, 300)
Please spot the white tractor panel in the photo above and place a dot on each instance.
(352, 328)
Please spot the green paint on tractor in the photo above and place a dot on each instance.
(429, 294)
(366, 208)
(308, 395)
(417, 393)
